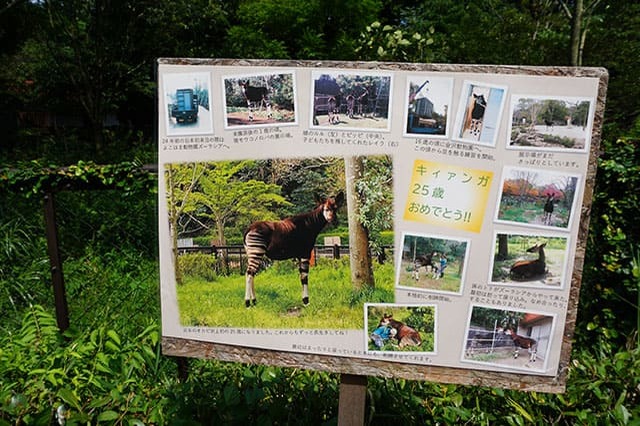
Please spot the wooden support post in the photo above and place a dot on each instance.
(59, 294)
(351, 405)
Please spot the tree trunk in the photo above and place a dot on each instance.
(503, 246)
(576, 33)
(359, 258)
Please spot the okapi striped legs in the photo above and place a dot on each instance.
(250, 292)
(303, 267)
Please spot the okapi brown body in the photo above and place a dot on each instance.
(407, 336)
(530, 269)
(523, 342)
(290, 238)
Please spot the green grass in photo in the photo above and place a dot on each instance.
(334, 303)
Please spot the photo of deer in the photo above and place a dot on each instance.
(260, 100)
(272, 243)
(531, 260)
(432, 263)
(508, 338)
(538, 198)
(400, 328)
(479, 113)
(345, 100)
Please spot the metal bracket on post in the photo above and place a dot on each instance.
(351, 405)
(59, 294)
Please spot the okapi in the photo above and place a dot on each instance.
(527, 269)
(332, 110)
(351, 104)
(290, 238)
(525, 343)
(255, 96)
(477, 114)
(548, 210)
(406, 335)
(427, 262)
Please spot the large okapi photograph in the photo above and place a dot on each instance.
(479, 113)
(538, 198)
(255, 100)
(277, 243)
(351, 101)
(432, 263)
(428, 106)
(550, 123)
(187, 103)
(531, 260)
(400, 328)
(512, 339)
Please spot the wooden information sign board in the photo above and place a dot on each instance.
(472, 186)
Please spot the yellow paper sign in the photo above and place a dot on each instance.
(445, 195)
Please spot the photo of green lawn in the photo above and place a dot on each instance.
(334, 304)
(432, 263)
(267, 255)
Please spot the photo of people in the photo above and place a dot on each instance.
(538, 198)
(550, 123)
(344, 100)
(400, 328)
(432, 263)
(532, 260)
(428, 106)
(260, 100)
(479, 113)
(187, 103)
(510, 339)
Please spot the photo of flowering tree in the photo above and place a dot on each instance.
(538, 198)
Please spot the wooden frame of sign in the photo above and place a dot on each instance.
(185, 346)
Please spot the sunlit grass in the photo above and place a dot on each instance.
(334, 303)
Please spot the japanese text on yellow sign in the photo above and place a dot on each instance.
(446, 195)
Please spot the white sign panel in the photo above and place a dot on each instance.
(466, 182)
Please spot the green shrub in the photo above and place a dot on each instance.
(200, 265)
(88, 378)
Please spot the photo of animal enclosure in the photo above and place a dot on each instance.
(550, 123)
(187, 103)
(479, 113)
(264, 99)
(531, 260)
(432, 263)
(538, 198)
(508, 338)
(351, 101)
(428, 105)
(269, 242)
(400, 328)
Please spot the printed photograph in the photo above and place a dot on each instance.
(186, 100)
(400, 328)
(539, 198)
(266, 244)
(260, 100)
(432, 263)
(508, 338)
(479, 113)
(550, 123)
(531, 260)
(351, 101)
(428, 106)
